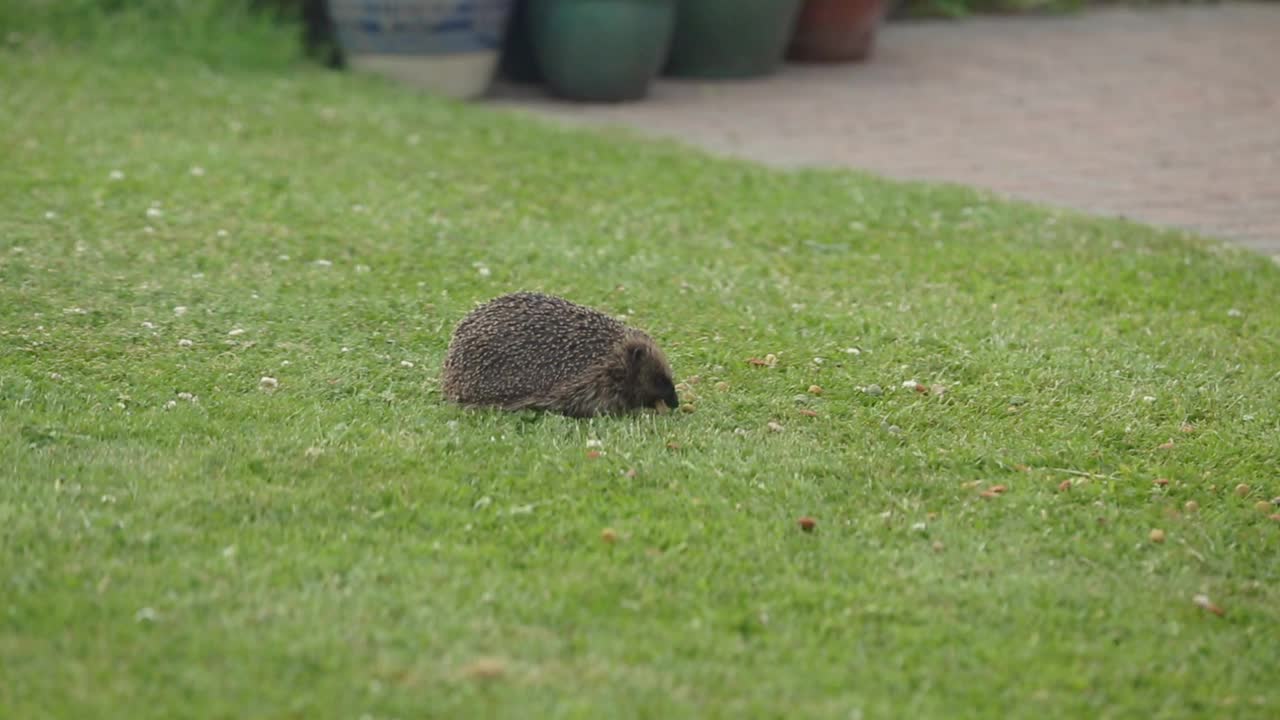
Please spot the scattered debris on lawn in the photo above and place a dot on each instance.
(488, 668)
(1203, 602)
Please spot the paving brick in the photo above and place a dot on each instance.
(1169, 116)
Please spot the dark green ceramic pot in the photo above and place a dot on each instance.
(730, 38)
(600, 50)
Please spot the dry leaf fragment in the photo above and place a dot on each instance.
(593, 454)
(1191, 506)
(988, 494)
(808, 412)
(609, 535)
(722, 386)
(1022, 468)
(815, 390)
(938, 546)
(1064, 486)
(1166, 445)
(1161, 482)
(807, 523)
(1203, 602)
(485, 669)
(775, 427)
(998, 489)
(631, 473)
(673, 446)
(1187, 428)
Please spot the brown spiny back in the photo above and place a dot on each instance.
(529, 350)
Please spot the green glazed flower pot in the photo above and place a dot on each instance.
(730, 38)
(600, 50)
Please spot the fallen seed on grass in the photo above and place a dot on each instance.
(686, 407)
(1242, 490)
(1275, 516)
(998, 489)
(268, 383)
(1022, 468)
(630, 473)
(1161, 482)
(775, 427)
(1157, 535)
(609, 535)
(807, 523)
(1187, 428)
(938, 546)
(722, 386)
(808, 412)
(922, 389)
(1166, 445)
(593, 454)
(988, 494)
(815, 390)
(1263, 506)
(1064, 486)
(674, 446)
(1203, 602)
(1191, 506)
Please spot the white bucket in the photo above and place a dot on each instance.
(446, 47)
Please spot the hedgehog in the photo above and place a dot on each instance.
(527, 350)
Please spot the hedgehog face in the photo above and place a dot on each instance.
(649, 376)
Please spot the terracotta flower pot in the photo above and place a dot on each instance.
(836, 30)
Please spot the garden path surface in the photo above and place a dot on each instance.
(1168, 116)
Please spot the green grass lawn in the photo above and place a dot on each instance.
(177, 540)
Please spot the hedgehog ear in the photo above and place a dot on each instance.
(636, 354)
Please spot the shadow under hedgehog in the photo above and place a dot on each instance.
(529, 351)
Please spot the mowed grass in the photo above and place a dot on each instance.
(179, 540)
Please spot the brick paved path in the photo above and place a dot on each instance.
(1168, 116)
